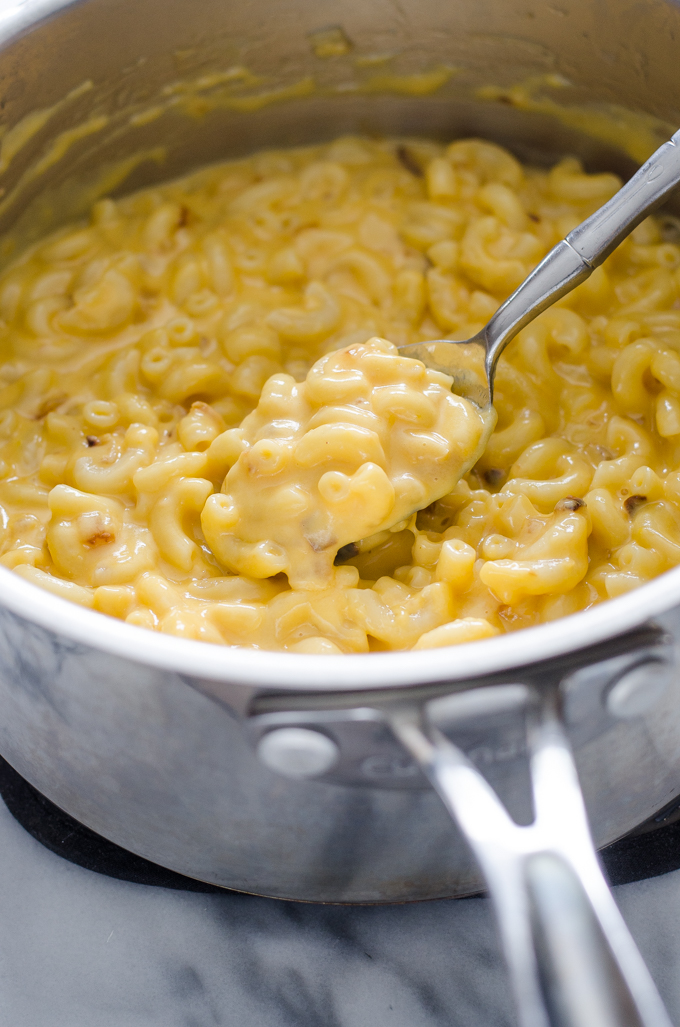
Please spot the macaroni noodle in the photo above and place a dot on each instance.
(203, 430)
(365, 441)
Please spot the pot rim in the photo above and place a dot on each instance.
(295, 672)
(349, 672)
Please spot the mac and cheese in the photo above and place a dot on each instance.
(204, 431)
(364, 442)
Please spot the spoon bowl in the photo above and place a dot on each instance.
(464, 361)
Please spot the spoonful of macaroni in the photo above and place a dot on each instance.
(472, 363)
(366, 440)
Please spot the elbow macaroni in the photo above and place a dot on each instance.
(204, 432)
(365, 441)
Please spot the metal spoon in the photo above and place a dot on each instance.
(473, 362)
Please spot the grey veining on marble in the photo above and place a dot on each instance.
(81, 950)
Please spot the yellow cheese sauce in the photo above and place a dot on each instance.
(368, 439)
(206, 430)
(634, 132)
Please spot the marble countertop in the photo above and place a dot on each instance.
(81, 950)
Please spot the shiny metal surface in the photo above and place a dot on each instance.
(297, 752)
(148, 739)
(568, 264)
(532, 865)
(638, 688)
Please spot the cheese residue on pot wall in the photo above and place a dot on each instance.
(241, 91)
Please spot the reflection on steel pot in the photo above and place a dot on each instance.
(306, 777)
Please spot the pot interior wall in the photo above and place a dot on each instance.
(150, 90)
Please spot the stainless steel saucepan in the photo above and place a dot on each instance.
(308, 777)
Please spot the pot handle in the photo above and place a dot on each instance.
(580, 980)
(572, 960)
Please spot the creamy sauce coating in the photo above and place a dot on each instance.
(205, 429)
(369, 438)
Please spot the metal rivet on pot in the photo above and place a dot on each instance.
(297, 752)
(638, 689)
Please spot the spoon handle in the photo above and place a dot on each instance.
(585, 248)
